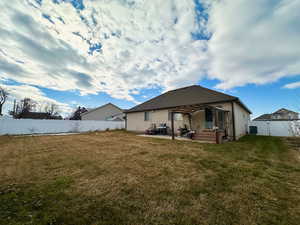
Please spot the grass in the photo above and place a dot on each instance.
(117, 178)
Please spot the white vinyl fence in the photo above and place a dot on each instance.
(29, 126)
(277, 128)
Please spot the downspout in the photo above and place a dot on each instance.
(126, 121)
(233, 121)
(172, 125)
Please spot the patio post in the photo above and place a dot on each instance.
(217, 125)
(190, 120)
(216, 118)
(172, 125)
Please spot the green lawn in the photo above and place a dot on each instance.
(118, 178)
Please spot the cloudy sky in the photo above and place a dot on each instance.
(90, 52)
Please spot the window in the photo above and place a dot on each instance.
(221, 122)
(177, 116)
(147, 116)
(208, 119)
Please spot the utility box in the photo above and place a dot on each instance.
(219, 137)
(253, 130)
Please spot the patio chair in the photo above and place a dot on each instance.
(152, 130)
(163, 129)
(183, 131)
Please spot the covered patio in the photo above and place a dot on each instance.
(216, 122)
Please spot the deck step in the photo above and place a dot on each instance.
(205, 138)
(205, 135)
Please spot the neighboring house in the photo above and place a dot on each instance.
(108, 112)
(281, 114)
(198, 108)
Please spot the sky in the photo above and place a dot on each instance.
(91, 52)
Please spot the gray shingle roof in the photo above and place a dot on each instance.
(185, 96)
(264, 117)
(270, 117)
(283, 110)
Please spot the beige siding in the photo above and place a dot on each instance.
(228, 121)
(242, 119)
(136, 122)
(198, 120)
(102, 113)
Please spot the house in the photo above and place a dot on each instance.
(202, 110)
(281, 114)
(107, 112)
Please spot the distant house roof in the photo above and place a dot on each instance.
(269, 117)
(264, 117)
(186, 96)
(283, 110)
(102, 106)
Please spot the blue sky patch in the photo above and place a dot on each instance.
(47, 17)
(97, 47)
(201, 15)
(77, 4)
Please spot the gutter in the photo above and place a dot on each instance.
(171, 107)
(233, 120)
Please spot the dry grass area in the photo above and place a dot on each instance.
(118, 178)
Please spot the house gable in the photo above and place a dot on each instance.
(105, 112)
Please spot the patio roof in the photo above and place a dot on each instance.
(189, 109)
(194, 108)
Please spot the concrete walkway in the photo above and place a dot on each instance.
(170, 138)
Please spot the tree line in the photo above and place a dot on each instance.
(28, 108)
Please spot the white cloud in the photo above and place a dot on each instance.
(16, 92)
(254, 41)
(120, 47)
(292, 85)
(143, 44)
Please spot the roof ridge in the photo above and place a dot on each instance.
(217, 92)
(197, 85)
(161, 95)
(99, 107)
(148, 100)
(183, 88)
(288, 110)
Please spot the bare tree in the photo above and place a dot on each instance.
(3, 97)
(52, 109)
(24, 106)
(27, 105)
